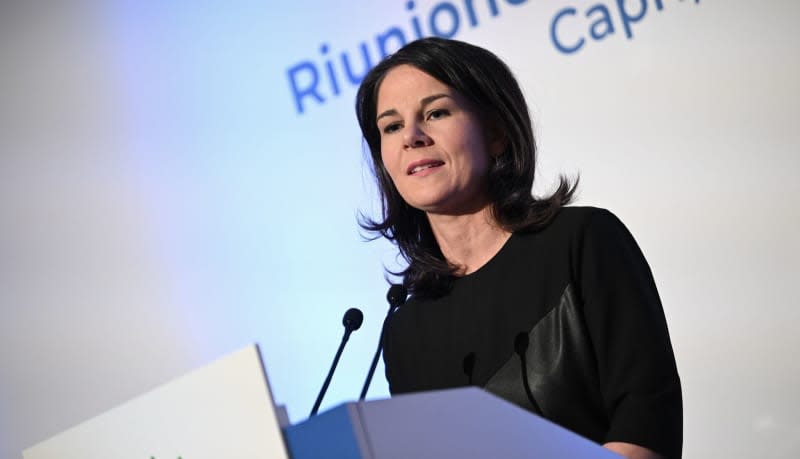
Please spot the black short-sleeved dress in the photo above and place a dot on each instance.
(598, 361)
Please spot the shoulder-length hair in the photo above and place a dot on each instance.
(484, 80)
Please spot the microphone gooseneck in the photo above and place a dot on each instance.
(352, 321)
(521, 343)
(396, 296)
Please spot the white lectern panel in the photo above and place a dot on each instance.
(223, 410)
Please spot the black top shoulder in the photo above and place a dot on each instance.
(599, 359)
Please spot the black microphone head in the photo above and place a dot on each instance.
(468, 365)
(352, 319)
(521, 343)
(396, 295)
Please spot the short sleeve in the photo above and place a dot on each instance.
(625, 319)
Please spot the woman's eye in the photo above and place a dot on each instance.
(436, 114)
(389, 128)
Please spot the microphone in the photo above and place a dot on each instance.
(521, 343)
(468, 365)
(352, 321)
(396, 296)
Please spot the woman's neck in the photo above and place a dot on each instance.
(468, 241)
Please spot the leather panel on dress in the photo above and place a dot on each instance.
(561, 370)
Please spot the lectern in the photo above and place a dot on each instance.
(226, 410)
(456, 423)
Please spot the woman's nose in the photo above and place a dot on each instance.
(416, 137)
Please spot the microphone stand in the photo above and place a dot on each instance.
(351, 321)
(396, 296)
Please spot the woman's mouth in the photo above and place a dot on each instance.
(424, 165)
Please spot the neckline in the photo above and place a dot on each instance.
(492, 261)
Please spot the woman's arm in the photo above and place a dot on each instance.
(636, 366)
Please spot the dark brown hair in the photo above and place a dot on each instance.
(483, 79)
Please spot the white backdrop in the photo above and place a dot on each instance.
(164, 202)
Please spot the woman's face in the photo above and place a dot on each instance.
(433, 143)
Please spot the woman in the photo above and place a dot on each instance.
(553, 308)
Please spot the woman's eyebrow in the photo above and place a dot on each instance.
(424, 102)
(389, 112)
(427, 100)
